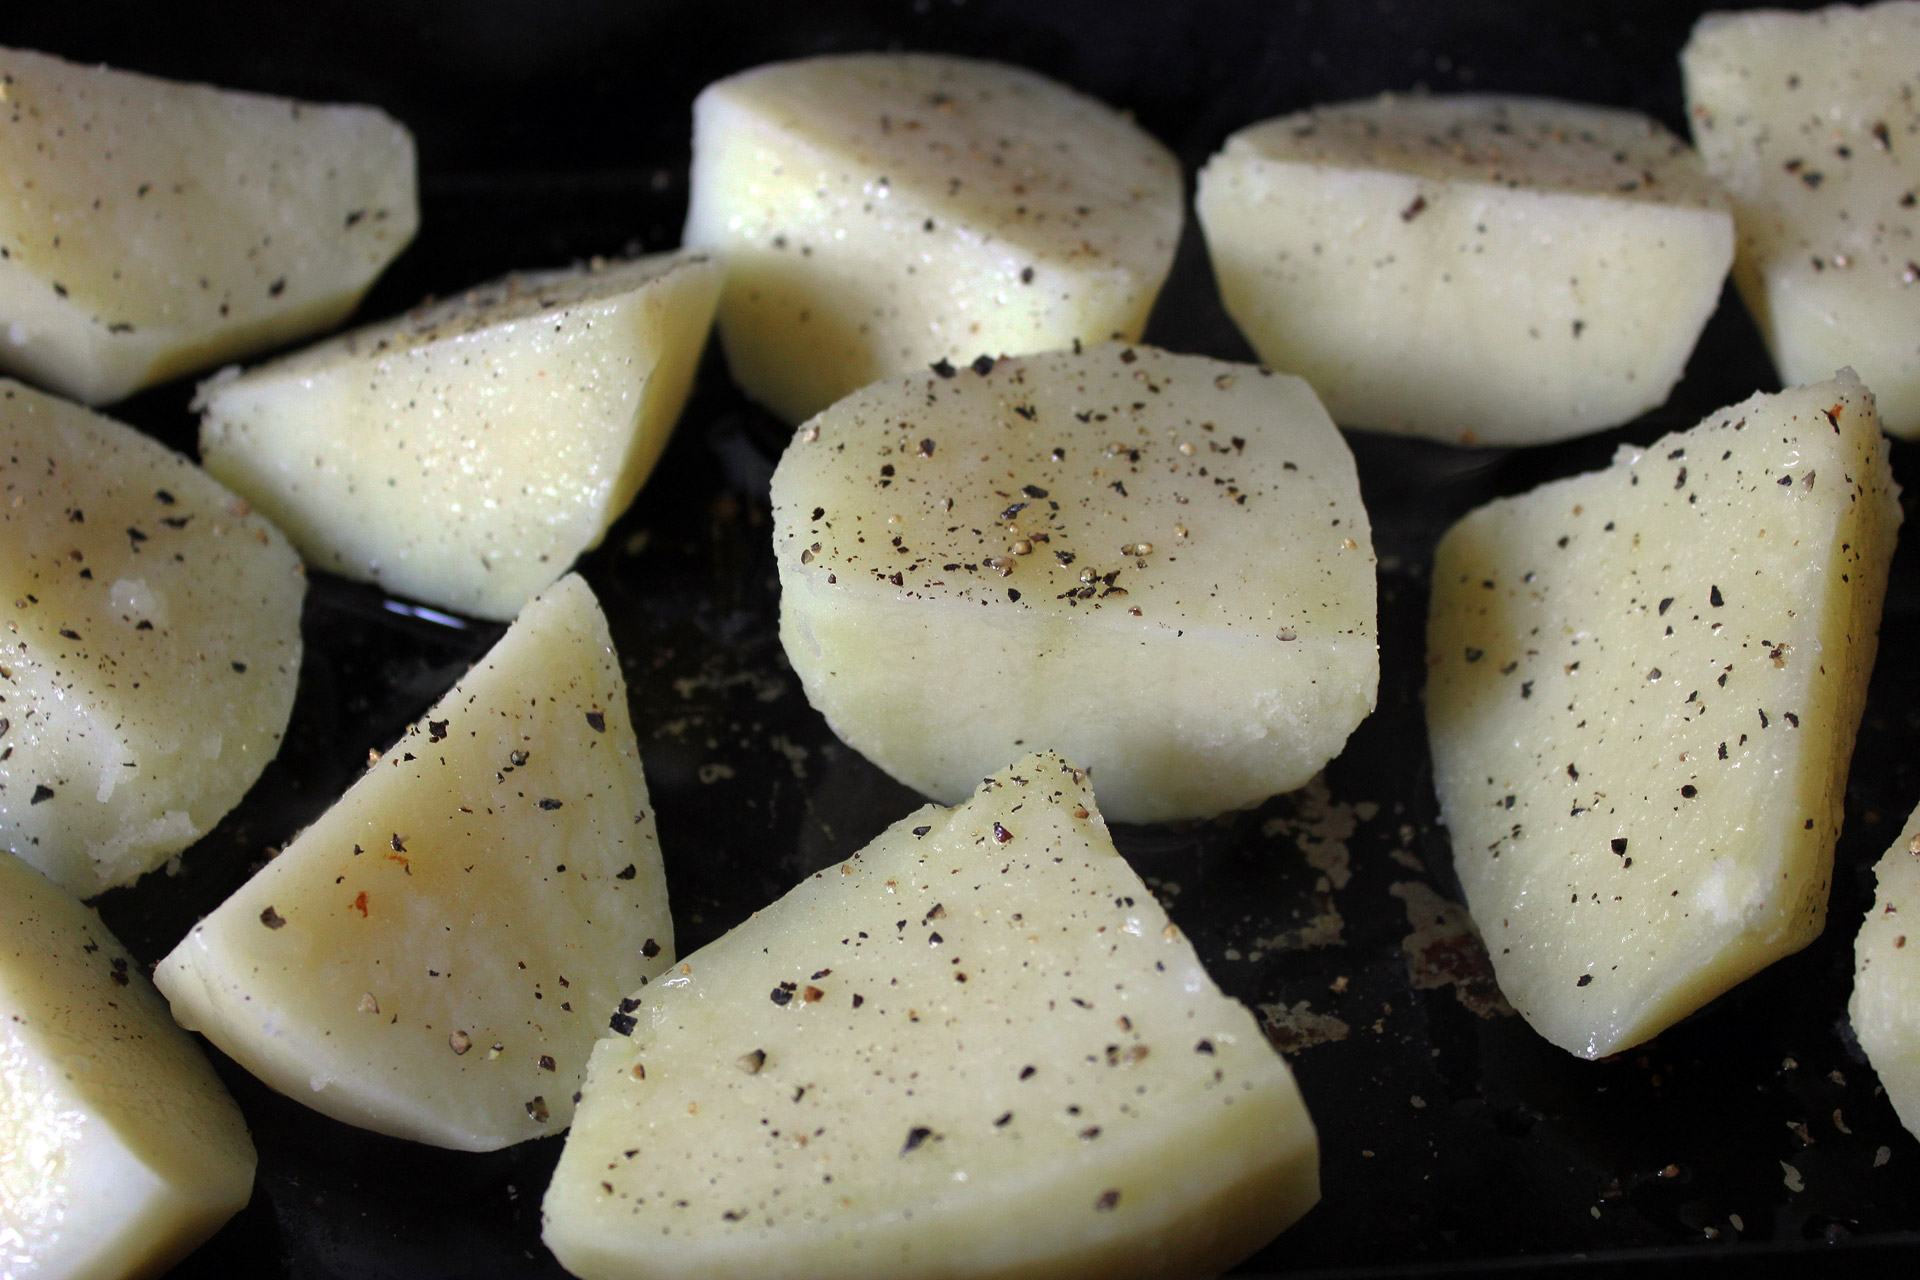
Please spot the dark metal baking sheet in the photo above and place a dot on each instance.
(1751, 1137)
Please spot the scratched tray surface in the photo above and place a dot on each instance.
(1752, 1135)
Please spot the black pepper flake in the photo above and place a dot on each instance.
(397, 842)
(549, 804)
(1474, 655)
(1005, 1118)
(921, 831)
(782, 994)
(1715, 599)
(1665, 605)
(273, 919)
(858, 999)
(1585, 978)
(943, 367)
(1000, 834)
(1033, 491)
(1689, 791)
(546, 1062)
(622, 1023)
(925, 451)
(69, 633)
(1414, 210)
(597, 721)
(934, 939)
(41, 792)
(915, 1136)
(982, 364)
(1620, 844)
(1026, 275)
(649, 948)
(1013, 594)
(1026, 1073)
(627, 872)
(537, 1109)
(818, 512)
(1108, 1199)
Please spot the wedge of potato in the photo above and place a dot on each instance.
(120, 1150)
(1644, 688)
(1811, 121)
(976, 1048)
(1475, 269)
(1158, 564)
(433, 958)
(152, 645)
(466, 453)
(150, 228)
(1885, 1009)
(882, 211)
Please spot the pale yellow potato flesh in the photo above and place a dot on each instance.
(1473, 269)
(1156, 564)
(150, 228)
(880, 212)
(1811, 121)
(120, 1150)
(434, 956)
(976, 1048)
(1885, 1008)
(1644, 687)
(466, 453)
(152, 647)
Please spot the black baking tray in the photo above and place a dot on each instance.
(1751, 1138)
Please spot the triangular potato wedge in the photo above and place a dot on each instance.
(152, 646)
(120, 1150)
(1885, 1009)
(976, 1048)
(464, 454)
(1644, 688)
(433, 958)
(150, 228)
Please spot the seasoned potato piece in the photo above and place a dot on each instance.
(120, 1150)
(149, 228)
(1885, 1009)
(464, 454)
(882, 211)
(1811, 120)
(434, 957)
(152, 647)
(976, 1048)
(1474, 269)
(1644, 688)
(1156, 563)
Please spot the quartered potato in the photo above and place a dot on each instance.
(1157, 564)
(151, 651)
(882, 211)
(976, 1048)
(150, 228)
(1885, 1009)
(433, 958)
(466, 453)
(1644, 688)
(1811, 122)
(120, 1150)
(1474, 269)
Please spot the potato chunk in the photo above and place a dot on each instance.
(433, 958)
(882, 211)
(1158, 564)
(1811, 121)
(976, 1048)
(1473, 269)
(149, 228)
(1645, 684)
(120, 1150)
(464, 454)
(1885, 1009)
(152, 647)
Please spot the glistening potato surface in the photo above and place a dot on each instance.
(1157, 564)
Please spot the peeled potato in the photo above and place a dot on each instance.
(879, 212)
(1644, 687)
(465, 454)
(1156, 563)
(1885, 1009)
(153, 646)
(1474, 269)
(976, 1048)
(1811, 120)
(120, 1150)
(433, 958)
(150, 228)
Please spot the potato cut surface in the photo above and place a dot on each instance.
(883, 211)
(433, 958)
(464, 454)
(1474, 269)
(1812, 123)
(120, 1150)
(1644, 688)
(152, 228)
(976, 1048)
(1885, 1009)
(152, 647)
(1157, 564)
